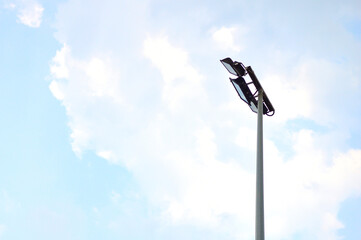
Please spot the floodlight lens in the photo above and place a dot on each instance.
(229, 68)
(240, 92)
(253, 107)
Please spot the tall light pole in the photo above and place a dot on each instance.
(259, 103)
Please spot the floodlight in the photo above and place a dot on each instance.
(235, 68)
(245, 94)
(242, 87)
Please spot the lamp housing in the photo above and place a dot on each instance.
(242, 87)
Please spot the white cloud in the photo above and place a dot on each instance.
(246, 138)
(183, 83)
(59, 68)
(109, 156)
(191, 183)
(75, 82)
(180, 140)
(226, 38)
(30, 14)
(56, 91)
(305, 192)
(292, 99)
(184, 176)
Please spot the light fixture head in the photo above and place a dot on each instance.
(235, 68)
(242, 87)
(246, 94)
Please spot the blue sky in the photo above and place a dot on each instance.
(119, 122)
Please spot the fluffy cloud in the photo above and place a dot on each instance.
(304, 193)
(149, 105)
(225, 37)
(77, 83)
(30, 14)
(179, 166)
(181, 177)
(182, 82)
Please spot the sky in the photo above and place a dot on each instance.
(119, 122)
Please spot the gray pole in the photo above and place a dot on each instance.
(259, 177)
